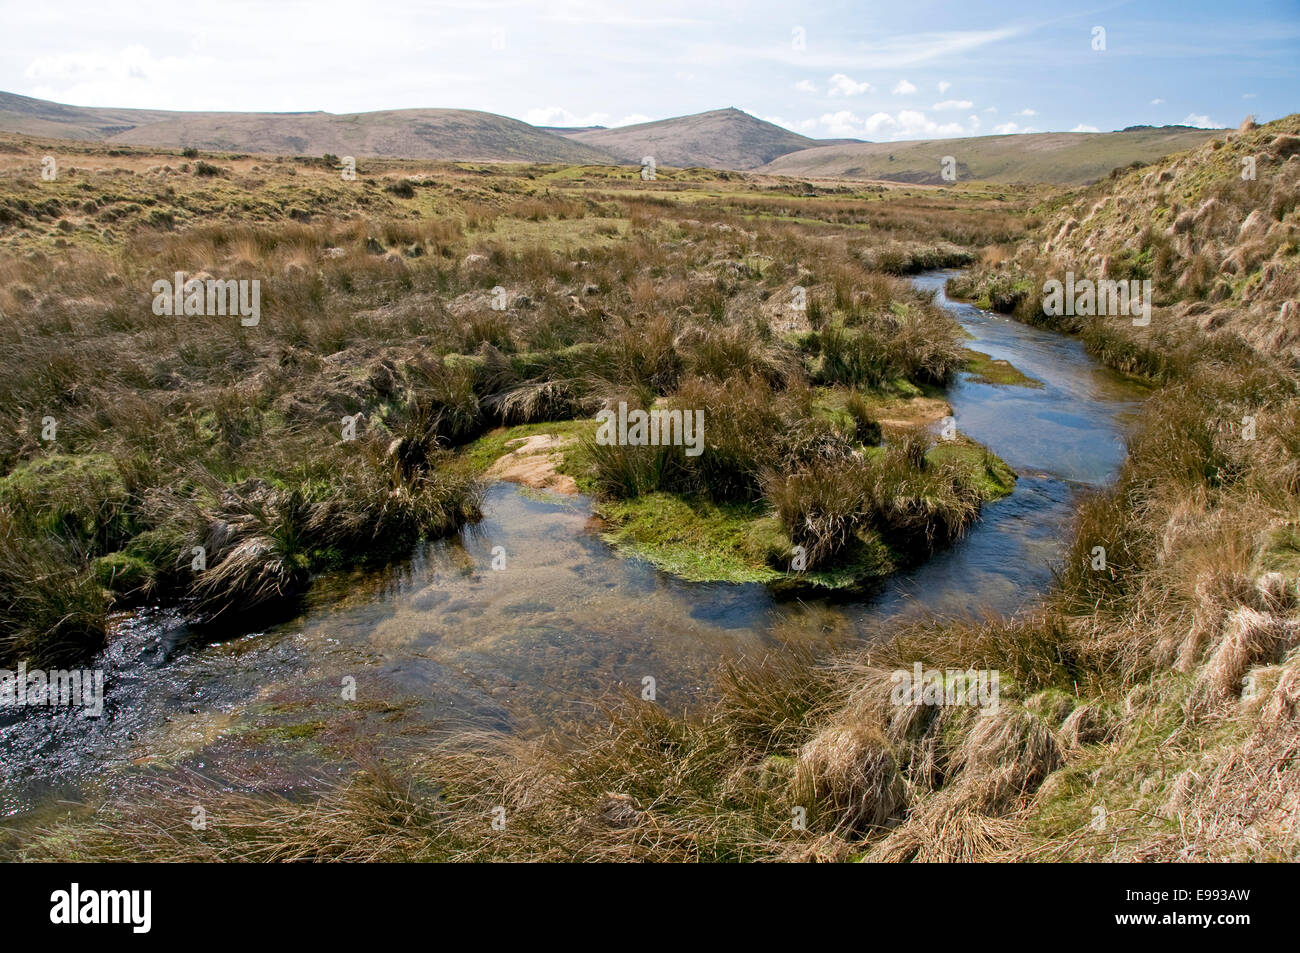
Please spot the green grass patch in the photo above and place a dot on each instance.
(490, 447)
(696, 539)
(988, 370)
(994, 478)
(702, 541)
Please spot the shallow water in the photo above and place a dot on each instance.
(444, 641)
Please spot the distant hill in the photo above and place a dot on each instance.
(39, 117)
(721, 139)
(570, 130)
(1059, 158)
(409, 133)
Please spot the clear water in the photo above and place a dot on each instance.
(443, 641)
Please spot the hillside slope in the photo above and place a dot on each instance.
(1222, 251)
(1058, 158)
(721, 139)
(40, 117)
(409, 133)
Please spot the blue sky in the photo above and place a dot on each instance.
(900, 70)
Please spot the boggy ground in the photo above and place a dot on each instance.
(1149, 705)
(407, 318)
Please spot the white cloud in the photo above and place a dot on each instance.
(909, 124)
(631, 120)
(806, 86)
(903, 88)
(842, 124)
(1011, 129)
(1027, 112)
(1247, 95)
(1157, 102)
(558, 116)
(948, 104)
(841, 85)
(944, 86)
(1200, 122)
(1082, 128)
(111, 79)
(990, 109)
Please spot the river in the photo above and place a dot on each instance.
(443, 641)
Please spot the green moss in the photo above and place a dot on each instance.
(987, 370)
(702, 541)
(1052, 705)
(696, 539)
(78, 499)
(1132, 777)
(994, 478)
(122, 574)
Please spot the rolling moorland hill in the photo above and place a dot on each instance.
(720, 139)
(1057, 158)
(411, 133)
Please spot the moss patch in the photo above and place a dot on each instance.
(702, 541)
(989, 370)
(989, 472)
(696, 539)
(486, 450)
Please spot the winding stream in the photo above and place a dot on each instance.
(442, 641)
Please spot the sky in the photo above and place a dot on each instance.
(907, 69)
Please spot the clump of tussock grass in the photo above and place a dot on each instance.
(821, 506)
(918, 346)
(52, 610)
(867, 429)
(261, 543)
(730, 351)
(1003, 758)
(945, 830)
(849, 771)
(1088, 724)
(1249, 638)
